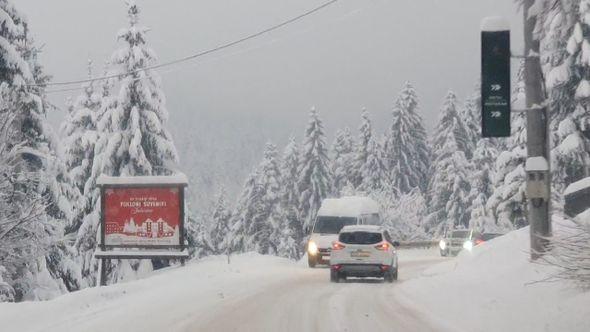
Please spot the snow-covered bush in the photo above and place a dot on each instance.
(6, 291)
(570, 250)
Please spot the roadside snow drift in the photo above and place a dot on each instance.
(497, 288)
(170, 300)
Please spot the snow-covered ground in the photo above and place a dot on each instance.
(497, 288)
(487, 290)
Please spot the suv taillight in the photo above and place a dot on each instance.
(382, 246)
(337, 246)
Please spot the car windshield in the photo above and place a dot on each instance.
(332, 225)
(459, 234)
(360, 238)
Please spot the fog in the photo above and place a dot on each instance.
(351, 55)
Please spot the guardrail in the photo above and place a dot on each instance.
(417, 244)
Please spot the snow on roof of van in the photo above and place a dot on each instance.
(348, 206)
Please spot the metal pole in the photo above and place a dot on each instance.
(537, 133)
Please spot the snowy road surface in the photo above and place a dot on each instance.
(308, 302)
(253, 293)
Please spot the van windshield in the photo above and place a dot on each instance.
(332, 225)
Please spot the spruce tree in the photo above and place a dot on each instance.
(133, 138)
(374, 171)
(80, 134)
(220, 224)
(406, 147)
(259, 230)
(362, 148)
(449, 186)
(245, 212)
(290, 191)
(33, 151)
(507, 204)
(315, 180)
(481, 177)
(342, 159)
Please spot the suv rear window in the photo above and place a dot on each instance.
(360, 238)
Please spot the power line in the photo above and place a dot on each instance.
(193, 56)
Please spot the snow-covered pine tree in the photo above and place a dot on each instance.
(471, 116)
(449, 186)
(374, 171)
(290, 190)
(220, 224)
(258, 230)
(86, 238)
(449, 120)
(507, 204)
(362, 147)
(406, 146)
(79, 132)
(33, 142)
(342, 159)
(481, 177)
(569, 90)
(247, 211)
(133, 138)
(315, 179)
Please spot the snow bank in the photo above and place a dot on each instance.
(577, 186)
(170, 300)
(495, 288)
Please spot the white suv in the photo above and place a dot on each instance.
(363, 251)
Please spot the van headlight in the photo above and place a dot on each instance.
(312, 248)
(468, 245)
(442, 244)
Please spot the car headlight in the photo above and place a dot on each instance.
(442, 244)
(468, 245)
(312, 248)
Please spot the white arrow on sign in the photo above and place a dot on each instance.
(496, 87)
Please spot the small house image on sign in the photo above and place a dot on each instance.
(149, 228)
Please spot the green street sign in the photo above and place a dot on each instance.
(495, 80)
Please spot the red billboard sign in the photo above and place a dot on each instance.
(142, 216)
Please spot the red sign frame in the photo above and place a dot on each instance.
(142, 216)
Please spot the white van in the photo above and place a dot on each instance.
(334, 214)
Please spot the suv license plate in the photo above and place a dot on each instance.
(360, 254)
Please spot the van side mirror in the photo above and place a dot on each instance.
(396, 243)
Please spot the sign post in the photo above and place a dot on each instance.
(141, 218)
(495, 77)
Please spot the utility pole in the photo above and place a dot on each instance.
(537, 136)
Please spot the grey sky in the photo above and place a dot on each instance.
(353, 54)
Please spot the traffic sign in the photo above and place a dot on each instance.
(495, 76)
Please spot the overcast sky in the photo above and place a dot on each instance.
(354, 54)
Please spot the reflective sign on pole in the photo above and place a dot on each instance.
(495, 78)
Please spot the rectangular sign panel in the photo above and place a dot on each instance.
(495, 85)
(142, 216)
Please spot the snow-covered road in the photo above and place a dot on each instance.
(253, 293)
(306, 301)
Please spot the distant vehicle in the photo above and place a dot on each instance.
(458, 240)
(363, 251)
(334, 214)
(486, 237)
